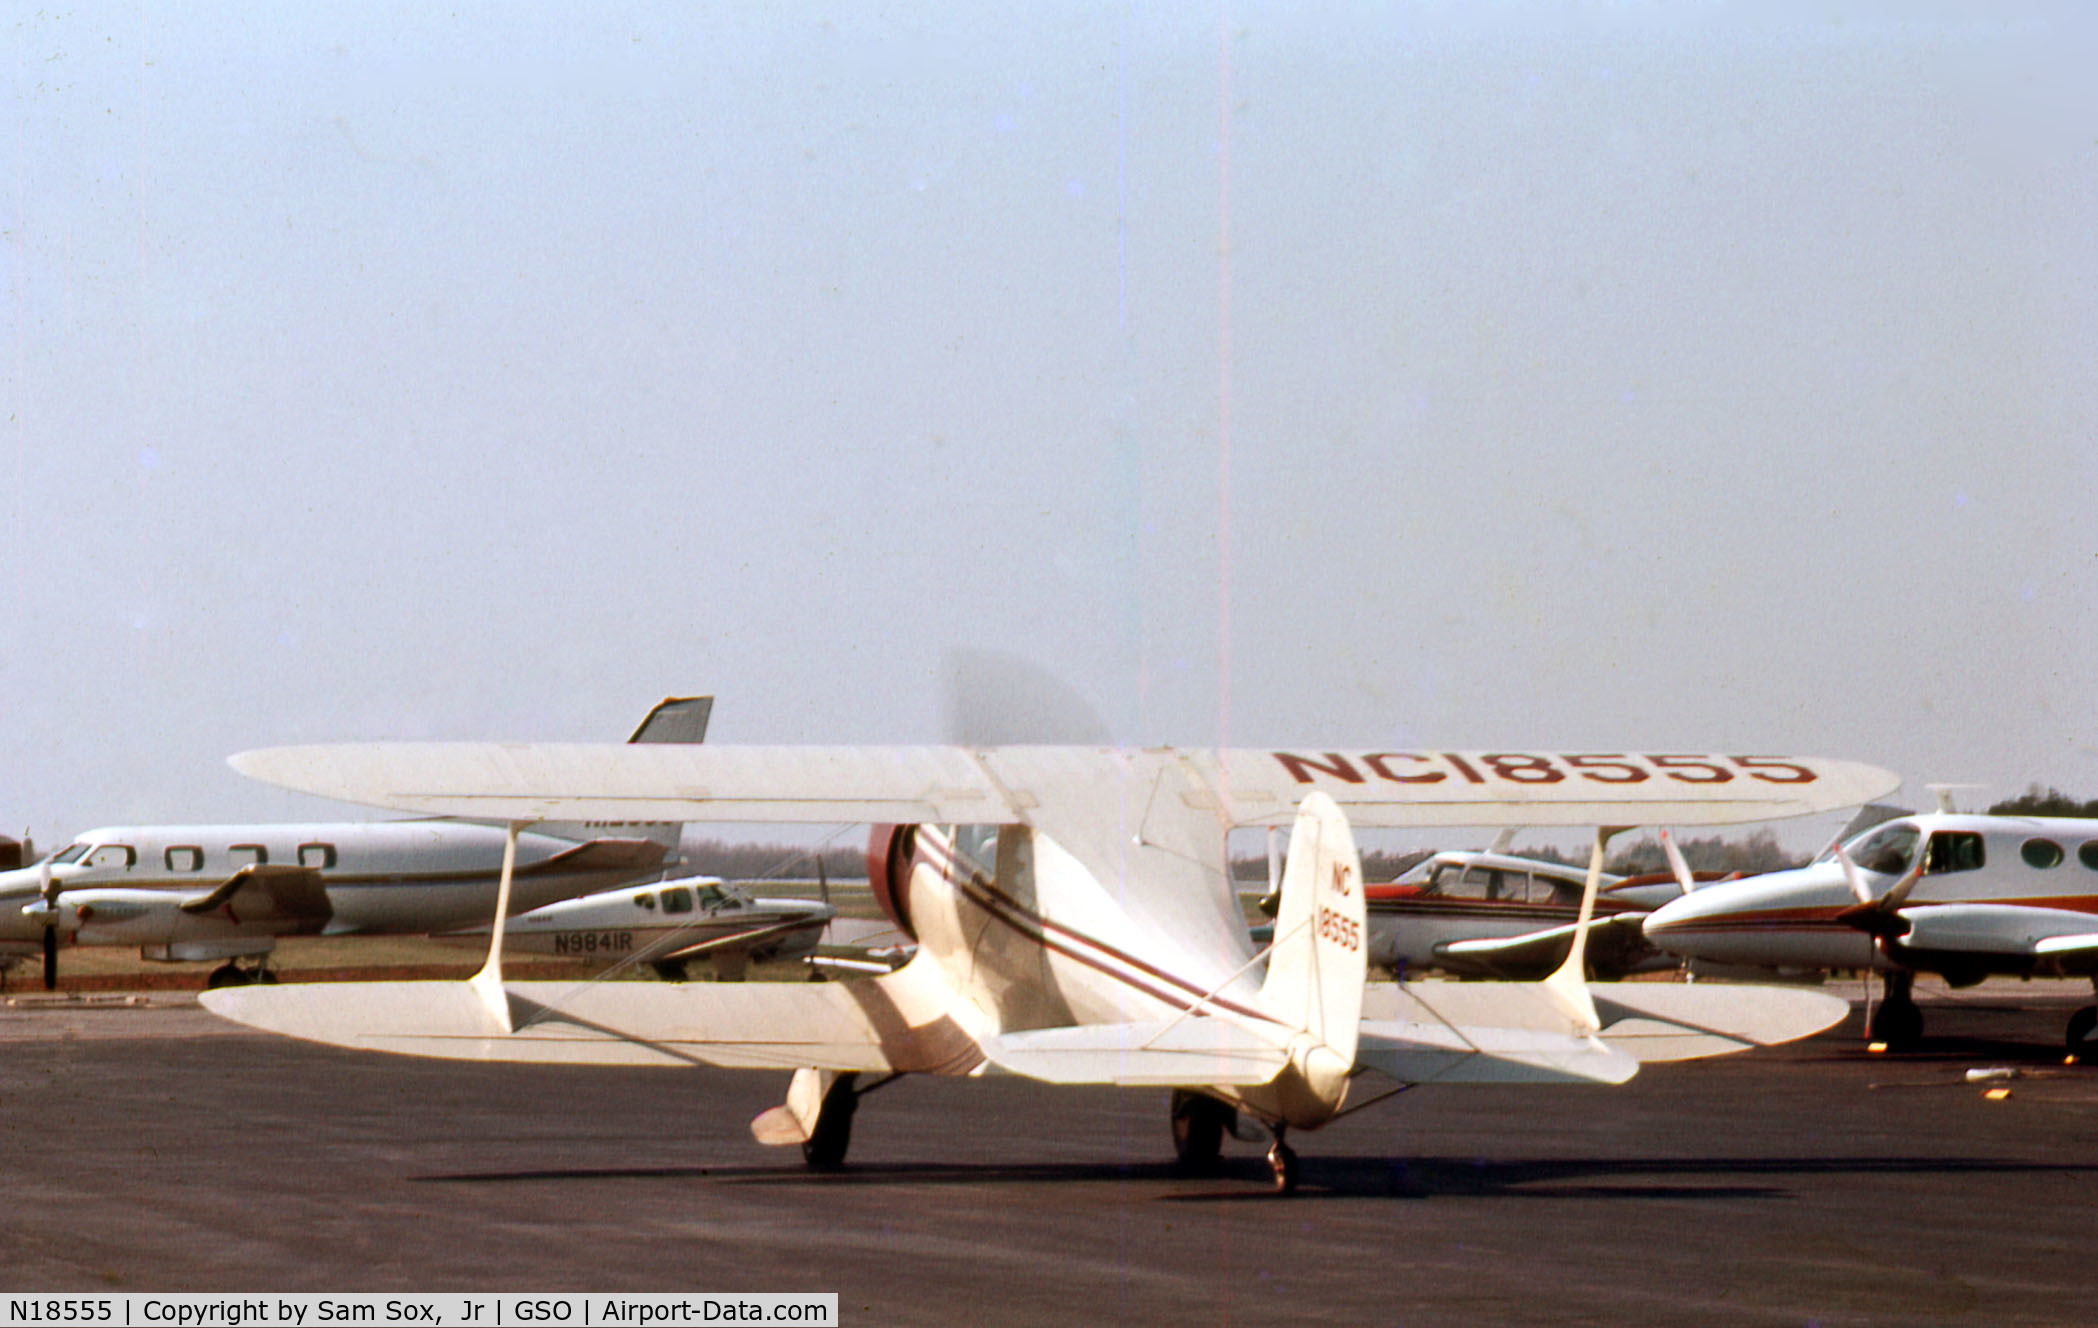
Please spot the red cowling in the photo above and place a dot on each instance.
(889, 852)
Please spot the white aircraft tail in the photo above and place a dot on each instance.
(1319, 965)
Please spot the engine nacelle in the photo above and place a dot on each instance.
(890, 849)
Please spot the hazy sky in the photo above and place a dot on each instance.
(1613, 376)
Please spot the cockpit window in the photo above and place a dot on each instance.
(711, 898)
(2041, 853)
(1886, 850)
(677, 900)
(71, 853)
(120, 857)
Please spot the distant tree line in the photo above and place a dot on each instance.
(2050, 801)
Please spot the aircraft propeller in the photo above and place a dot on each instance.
(1880, 917)
(47, 891)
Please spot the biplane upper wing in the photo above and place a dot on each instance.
(995, 786)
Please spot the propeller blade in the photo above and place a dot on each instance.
(1676, 865)
(1851, 874)
(1900, 893)
(822, 879)
(47, 889)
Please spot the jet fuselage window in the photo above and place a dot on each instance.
(317, 855)
(248, 855)
(1958, 851)
(1886, 850)
(2088, 854)
(2041, 853)
(677, 901)
(121, 857)
(184, 857)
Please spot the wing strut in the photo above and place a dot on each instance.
(488, 983)
(1569, 985)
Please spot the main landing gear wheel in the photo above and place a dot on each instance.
(1897, 1022)
(2083, 1025)
(1199, 1123)
(1282, 1160)
(825, 1147)
(231, 974)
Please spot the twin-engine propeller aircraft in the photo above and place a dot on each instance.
(1962, 895)
(668, 925)
(1075, 923)
(184, 893)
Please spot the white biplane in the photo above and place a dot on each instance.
(1075, 923)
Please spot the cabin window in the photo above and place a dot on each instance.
(321, 856)
(248, 855)
(118, 857)
(1886, 850)
(1960, 850)
(2041, 853)
(2088, 854)
(711, 897)
(646, 900)
(678, 900)
(184, 857)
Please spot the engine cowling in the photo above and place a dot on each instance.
(890, 850)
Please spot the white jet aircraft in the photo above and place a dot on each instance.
(201, 892)
(1962, 895)
(1075, 923)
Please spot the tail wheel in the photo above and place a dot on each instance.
(1282, 1160)
(1199, 1122)
(825, 1147)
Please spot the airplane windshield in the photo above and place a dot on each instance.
(712, 897)
(1887, 849)
(71, 854)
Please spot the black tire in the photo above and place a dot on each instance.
(1899, 1024)
(2082, 1025)
(1199, 1123)
(826, 1145)
(225, 975)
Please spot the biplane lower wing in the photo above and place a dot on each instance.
(898, 1023)
(1504, 1032)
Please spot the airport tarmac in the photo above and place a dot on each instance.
(151, 1147)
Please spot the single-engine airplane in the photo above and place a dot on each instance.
(184, 893)
(1961, 895)
(667, 925)
(1075, 923)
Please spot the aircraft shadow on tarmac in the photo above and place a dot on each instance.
(1344, 1177)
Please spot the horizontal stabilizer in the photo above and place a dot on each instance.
(898, 1022)
(1161, 1053)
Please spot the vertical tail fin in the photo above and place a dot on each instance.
(1316, 973)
